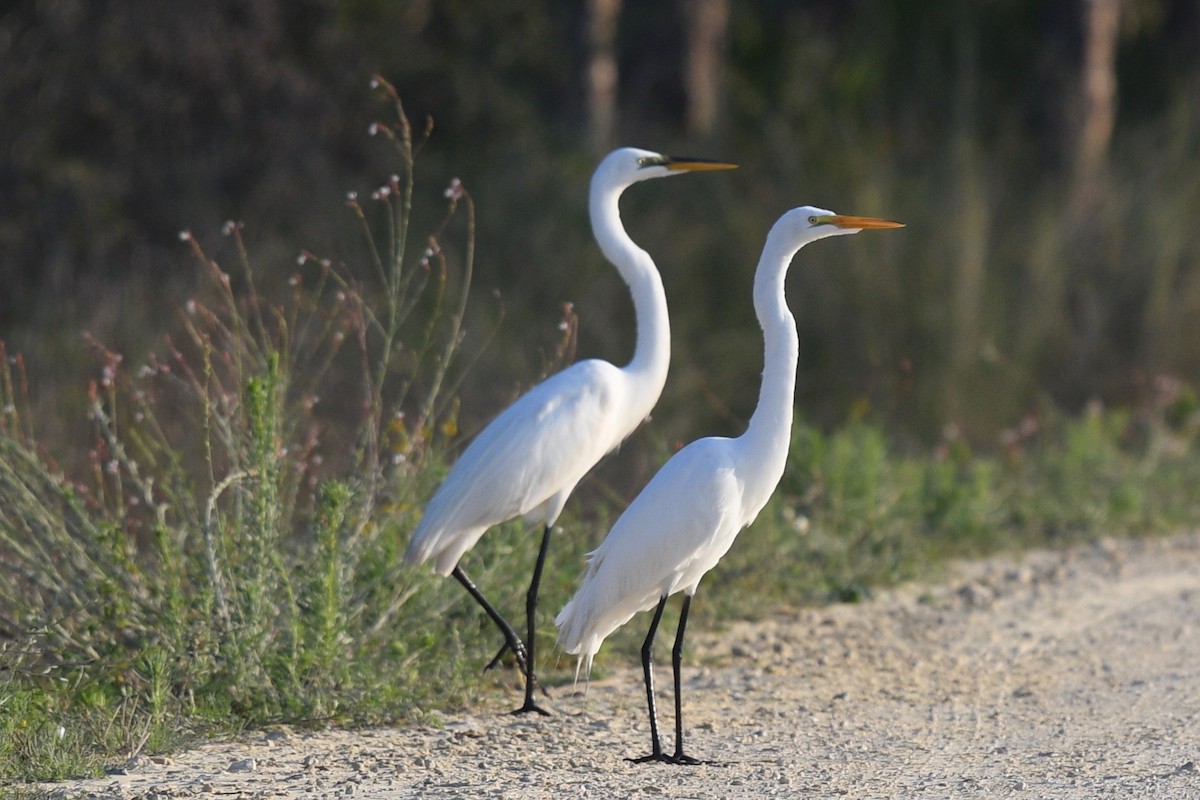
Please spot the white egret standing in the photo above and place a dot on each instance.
(528, 459)
(687, 517)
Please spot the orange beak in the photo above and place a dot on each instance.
(696, 164)
(843, 221)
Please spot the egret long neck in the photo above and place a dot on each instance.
(769, 434)
(652, 353)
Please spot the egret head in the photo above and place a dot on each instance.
(630, 165)
(808, 223)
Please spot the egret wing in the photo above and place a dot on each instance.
(540, 445)
(673, 532)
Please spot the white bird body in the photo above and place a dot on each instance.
(689, 514)
(687, 517)
(683, 541)
(491, 484)
(529, 459)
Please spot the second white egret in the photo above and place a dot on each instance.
(687, 517)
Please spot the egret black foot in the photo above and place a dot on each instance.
(661, 758)
(529, 707)
(687, 761)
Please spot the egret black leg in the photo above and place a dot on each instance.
(504, 648)
(656, 753)
(531, 598)
(511, 640)
(676, 661)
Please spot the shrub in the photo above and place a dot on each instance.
(234, 549)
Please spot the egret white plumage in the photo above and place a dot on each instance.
(527, 461)
(687, 517)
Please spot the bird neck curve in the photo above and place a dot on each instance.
(652, 351)
(769, 433)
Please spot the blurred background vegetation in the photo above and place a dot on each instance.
(1043, 155)
(206, 529)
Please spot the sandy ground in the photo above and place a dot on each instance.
(1061, 675)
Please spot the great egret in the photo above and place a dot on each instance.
(528, 459)
(687, 517)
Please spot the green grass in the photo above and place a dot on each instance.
(855, 512)
(226, 551)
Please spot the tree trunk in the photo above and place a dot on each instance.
(972, 225)
(1098, 93)
(602, 16)
(707, 24)
(1090, 256)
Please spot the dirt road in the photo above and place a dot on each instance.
(1061, 675)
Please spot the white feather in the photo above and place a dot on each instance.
(528, 460)
(687, 517)
(563, 426)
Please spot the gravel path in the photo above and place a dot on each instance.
(1061, 675)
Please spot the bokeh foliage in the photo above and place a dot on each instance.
(205, 539)
(132, 120)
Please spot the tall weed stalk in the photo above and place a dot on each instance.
(239, 526)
